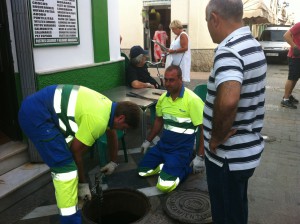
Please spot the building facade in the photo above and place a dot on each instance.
(138, 24)
(45, 42)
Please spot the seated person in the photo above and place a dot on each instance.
(179, 114)
(137, 74)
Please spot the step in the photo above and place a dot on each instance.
(22, 181)
(12, 154)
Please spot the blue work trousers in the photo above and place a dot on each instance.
(228, 193)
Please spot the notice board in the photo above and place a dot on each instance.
(54, 22)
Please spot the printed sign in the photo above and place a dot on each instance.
(54, 22)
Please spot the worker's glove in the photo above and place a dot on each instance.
(84, 191)
(145, 146)
(198, 164)
(156, 140)
(296, 51)
(109, 168)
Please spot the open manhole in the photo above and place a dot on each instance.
(118, 206)
(188, 206)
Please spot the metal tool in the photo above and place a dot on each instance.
(97, 193)
(131, 94)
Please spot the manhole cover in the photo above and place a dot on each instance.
(189, 206)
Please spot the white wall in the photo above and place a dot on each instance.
(114, 29)
(63, 57)
(131, 23)
(190, 12)
(199, 34)
(47, 59)
(180, 11)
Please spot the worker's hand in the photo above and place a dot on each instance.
(109, 168)
(198, 164)
(145, 146)
(156, 140)
(296, 51)
(149, 85)
(84, 191)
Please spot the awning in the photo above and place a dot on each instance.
(156, 2)
(256, 12)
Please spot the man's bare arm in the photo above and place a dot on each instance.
(224, 112)
(112, 143)
(78, 149)
(157, 126)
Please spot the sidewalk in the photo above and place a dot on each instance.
(274, 195)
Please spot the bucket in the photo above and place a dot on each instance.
(118, 206)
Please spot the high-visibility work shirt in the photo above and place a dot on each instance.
(181, 119)
(88, 112)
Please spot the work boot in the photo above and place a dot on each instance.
(288, 104)
(293, 99)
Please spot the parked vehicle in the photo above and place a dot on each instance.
(273, 43)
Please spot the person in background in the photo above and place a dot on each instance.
(179, 51)
(161, 37)
(234, 111)
(63, 121)
(124, 55)
(137, 74)
(292, 37)
(179, 115)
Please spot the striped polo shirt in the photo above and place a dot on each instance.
(239, 57)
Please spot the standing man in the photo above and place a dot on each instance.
(63, 121)
(179, 114)
(292, 36)
(234, 111)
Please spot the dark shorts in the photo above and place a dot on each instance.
(294, 69)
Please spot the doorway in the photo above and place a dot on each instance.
(160, 14)
(9, 128)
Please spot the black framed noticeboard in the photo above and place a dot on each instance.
(54, 22)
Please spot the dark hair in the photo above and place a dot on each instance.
(227, 9)
(131, 111)
(174, 67)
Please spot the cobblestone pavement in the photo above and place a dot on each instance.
(274, 195)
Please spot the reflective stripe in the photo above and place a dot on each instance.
(179, 124)
(72, 101)
(73, 126)
(62, 125)
(69, 138)
(57, 99)
(64, 176)
(179, 130)
(167, 185)
(177, 119)
(68, 211)
(151, 171)
(71, 107)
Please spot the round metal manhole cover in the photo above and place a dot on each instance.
(188, 206)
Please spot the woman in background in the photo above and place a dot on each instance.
(179, 51)
(161, 37)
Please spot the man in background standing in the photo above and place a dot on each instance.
(292, 36)
(233, 112)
